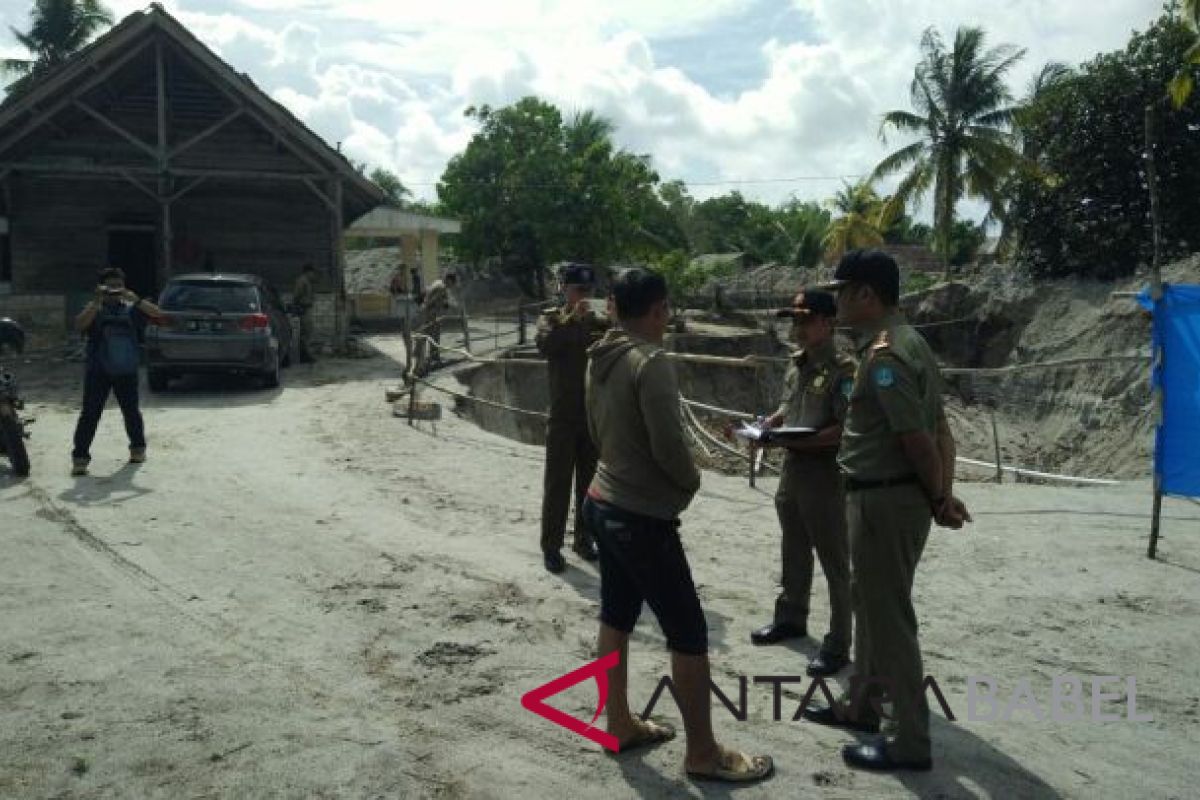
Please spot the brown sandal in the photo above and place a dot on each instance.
(737, 767)
(649, 733)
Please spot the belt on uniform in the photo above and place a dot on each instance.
(856, 485)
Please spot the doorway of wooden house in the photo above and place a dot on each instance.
(133, 248)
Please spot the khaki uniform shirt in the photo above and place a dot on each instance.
(816, 388)
(437, 302)
(302, 293)
(897, 390)
(564, 339)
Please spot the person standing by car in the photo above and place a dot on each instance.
(111, 323)
(303, 297)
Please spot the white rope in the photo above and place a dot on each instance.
(1029, 473)
(1069, 362)
(481, 401)
(724, 412)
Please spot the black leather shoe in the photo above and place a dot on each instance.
(554, 562)
(777, 632)
(874, 756)
(826, 664)
(586, 550)
(827, 716)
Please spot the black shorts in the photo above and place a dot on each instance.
(642, 559)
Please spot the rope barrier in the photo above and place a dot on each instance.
(1069, 362)
(1029, 473)
(480, 400)
(745, 416)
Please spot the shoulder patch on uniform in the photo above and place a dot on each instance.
(884, 376)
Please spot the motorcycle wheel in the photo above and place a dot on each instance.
(14, 445)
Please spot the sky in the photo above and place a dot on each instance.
(774, 98)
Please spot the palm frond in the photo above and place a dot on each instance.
(899, 160)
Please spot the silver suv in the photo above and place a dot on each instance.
(218, 323)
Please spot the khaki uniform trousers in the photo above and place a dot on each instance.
(304, 343)
(812, 516)
(571, 457)
(888, 530)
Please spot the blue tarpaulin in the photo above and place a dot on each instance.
(1177, 376)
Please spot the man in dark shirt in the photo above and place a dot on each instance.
(111, 322)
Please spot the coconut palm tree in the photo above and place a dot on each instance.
(58, 29)
(862, 221)
(963, 113)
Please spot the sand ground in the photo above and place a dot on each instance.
(302, 596)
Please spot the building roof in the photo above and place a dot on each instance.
(389, 222)
(36, 100)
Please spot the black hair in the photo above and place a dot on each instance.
(108, 273)
(451, 277)
(635, 291)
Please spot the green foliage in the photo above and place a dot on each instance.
(965, 240)
(961, 118)
(391, 185)
(917, 281)
(1181, 86)
(864, 216)
(1084, 209)
(533, 189)
(58, 29)
(686, 275)
(788, 234)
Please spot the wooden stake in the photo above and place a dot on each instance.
(996, 442)
(1156, 293)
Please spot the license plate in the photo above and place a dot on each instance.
(195, 326)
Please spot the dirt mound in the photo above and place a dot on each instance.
(1092, 419)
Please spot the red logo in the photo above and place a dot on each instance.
(598, 669)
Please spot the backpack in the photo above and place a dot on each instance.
(117, 350)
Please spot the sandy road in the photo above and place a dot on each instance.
(301, 596)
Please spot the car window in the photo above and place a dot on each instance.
(225, 298)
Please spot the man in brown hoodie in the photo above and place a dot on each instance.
(645, 478)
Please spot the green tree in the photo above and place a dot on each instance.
(58, 29)
(1085, 209)
(390, 184)
(1184, 81)
(533, 189)
(963, 111)
(803, 226)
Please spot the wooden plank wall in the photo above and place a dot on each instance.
(60, 230)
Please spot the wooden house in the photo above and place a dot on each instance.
(147, 152)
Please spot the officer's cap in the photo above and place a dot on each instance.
(808, 303)
(874, 268)
(577, 275)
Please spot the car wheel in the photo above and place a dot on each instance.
(159, 381)
(271, 377)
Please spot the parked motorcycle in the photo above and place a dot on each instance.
(12, 423)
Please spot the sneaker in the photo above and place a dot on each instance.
(137, 455)
(79, 467)
(554, 562)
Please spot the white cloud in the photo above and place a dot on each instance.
(390, 79)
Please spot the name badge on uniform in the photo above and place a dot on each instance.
(885, 377)
(848, 386)
(818, 381)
